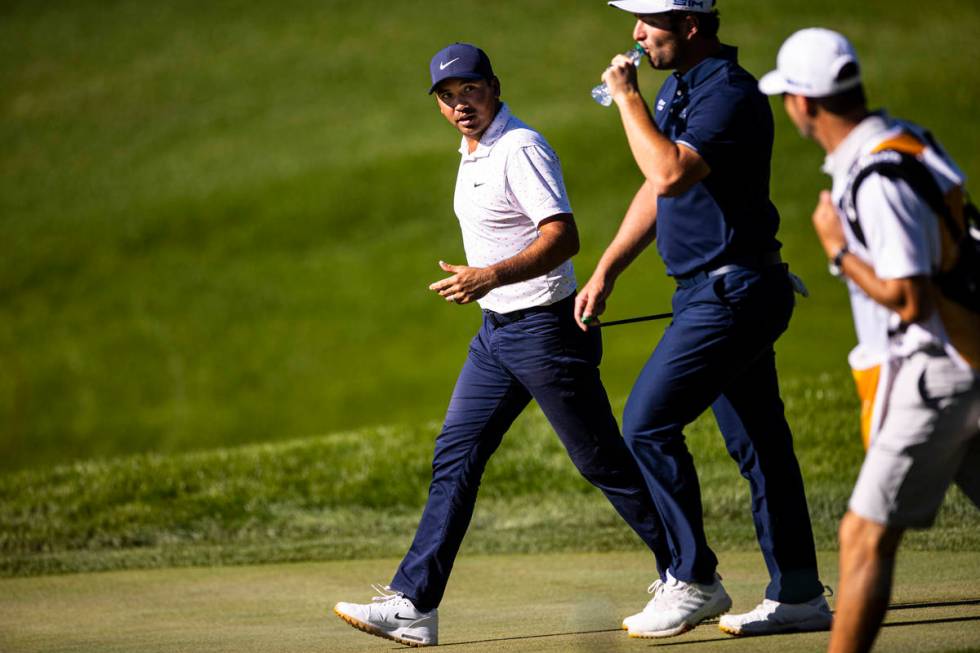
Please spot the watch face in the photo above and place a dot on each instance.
(835, 263)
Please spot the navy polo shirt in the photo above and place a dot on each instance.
(716, 109)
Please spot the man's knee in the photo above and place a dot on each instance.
(868, 538)
(644, 423)
(632, 424)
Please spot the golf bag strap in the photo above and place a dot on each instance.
(897, 159)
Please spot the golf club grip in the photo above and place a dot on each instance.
(630, 320)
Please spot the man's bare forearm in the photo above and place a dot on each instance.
(672, 168)
(557, 242)
(910, 297)
(658, 157)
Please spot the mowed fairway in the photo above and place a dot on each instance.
(558, 602)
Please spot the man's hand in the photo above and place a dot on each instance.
(910, 297)
(466, 285)
(591, 301)
(827, 224)
(620, 76)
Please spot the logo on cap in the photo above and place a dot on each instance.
(814, 62)
(466, 61)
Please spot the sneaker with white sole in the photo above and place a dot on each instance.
(772, 617)
(677, 607)
(392, 616)
(653, 589)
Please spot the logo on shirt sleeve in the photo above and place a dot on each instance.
(661, 104)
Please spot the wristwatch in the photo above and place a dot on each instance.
(835, 263)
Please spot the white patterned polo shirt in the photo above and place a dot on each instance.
(504, 189)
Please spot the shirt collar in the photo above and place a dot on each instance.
(708, 67)
(490, 136)
(849, 149)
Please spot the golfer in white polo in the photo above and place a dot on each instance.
(519, 235)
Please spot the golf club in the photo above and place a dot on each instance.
(591, 321)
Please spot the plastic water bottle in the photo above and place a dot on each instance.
(601, 92)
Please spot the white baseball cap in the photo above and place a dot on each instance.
(809, 63)
(663, 6)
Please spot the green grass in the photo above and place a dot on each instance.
(359, 494)
(499, 604)
(218, 222)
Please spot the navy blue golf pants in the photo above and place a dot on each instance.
(718, 352)
(542, 355)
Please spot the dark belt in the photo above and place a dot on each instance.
(502, 319)
(761, 262)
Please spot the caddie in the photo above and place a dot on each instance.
(894, 229)
(519, 235)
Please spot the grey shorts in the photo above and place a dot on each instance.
(930, 437)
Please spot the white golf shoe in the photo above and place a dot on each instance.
(392, 616)
(677, 607)
(771, 617)
(653, 589)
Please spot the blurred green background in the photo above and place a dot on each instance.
(218, 220)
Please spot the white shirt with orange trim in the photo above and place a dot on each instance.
(504, 190)
(903, 240)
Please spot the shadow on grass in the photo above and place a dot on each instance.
(724, 638)
(933, 604)
(527, 637)
(927, 622)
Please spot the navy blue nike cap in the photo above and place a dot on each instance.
(459, 60)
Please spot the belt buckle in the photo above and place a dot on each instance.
(492, 316)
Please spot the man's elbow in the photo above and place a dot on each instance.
(669, 184)
(573, 245)
(563, 235)
(912, 313)
(917, 307)
(675, 176)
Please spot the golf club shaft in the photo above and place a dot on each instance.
(643, 318)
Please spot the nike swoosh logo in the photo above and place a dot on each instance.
(401, 618)
(443, 66)
(477, 185)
